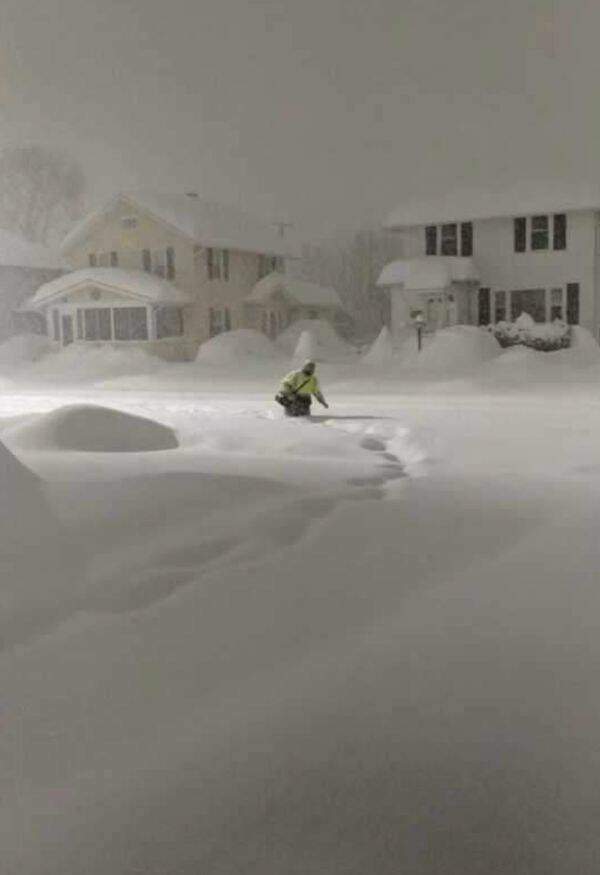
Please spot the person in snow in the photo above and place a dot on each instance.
(297, 390)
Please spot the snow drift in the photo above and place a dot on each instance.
(456, 351)
(89, 428)
(237, 347)
(23, 348)
(329, 346)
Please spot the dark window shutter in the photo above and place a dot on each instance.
(114, 259)
(431, 240)
(560, 231)
(573, 303)
(210, 265)
(147, 260)
(170, 263)
(485, 309)
(225, 257)
(92, 259)
(520, 228)
(466, 239)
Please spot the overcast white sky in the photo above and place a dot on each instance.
(323, 111)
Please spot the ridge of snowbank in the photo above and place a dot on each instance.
(90, 428)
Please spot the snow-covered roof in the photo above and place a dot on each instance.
(427, 273)
(17, 251)
(135, 283)
(526, 199)
(297, 291)
(207, 223)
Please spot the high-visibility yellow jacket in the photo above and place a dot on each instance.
(301, 383)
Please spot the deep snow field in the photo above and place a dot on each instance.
(367, 642)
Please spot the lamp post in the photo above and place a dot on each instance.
(419, 323)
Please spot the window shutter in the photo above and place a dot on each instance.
(466, 239)
(147, 260)
(114, 259)
(560, 231)
(225, 258)
(520, 233)
(431, 240)
(92, 259)
(170, 263)
(210, 265)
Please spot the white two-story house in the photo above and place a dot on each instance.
(480, 268)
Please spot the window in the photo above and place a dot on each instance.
(431, 240)
(500, 307)
(573, 303)
(560, 231)
(56, 325)
(130, 323)
(170, 263)
(96, 323)
(169, 322)
(159, 262)
(104, 259)
(129, 222)
(520, 234)
(92, 259)
(532, 301)
(539, 232)
(466, 239)
(556, 304)
(147, 260)
(449, 240)
(484, 306)
(217, 264)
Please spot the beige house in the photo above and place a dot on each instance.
(163, 271)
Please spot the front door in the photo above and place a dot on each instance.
(67, 330)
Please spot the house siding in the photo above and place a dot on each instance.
(503, 269)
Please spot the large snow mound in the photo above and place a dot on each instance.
(234, 347)
(329, 346)
(90, 428)
(459, 350)
(23, 348)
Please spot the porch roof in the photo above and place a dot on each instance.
(132, 283)
(433, 272)
(296, 291)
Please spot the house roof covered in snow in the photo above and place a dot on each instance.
(205, 222)
(17, 251)
(427, 273)
(135, 283)
(470, 204)
(297, 291)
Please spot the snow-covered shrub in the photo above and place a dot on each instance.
(542, 336)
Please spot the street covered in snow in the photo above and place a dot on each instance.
(364, 642)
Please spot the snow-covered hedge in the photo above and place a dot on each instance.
(543, 336)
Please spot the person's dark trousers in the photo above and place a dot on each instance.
(299, 406)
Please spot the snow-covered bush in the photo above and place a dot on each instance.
(524, 331)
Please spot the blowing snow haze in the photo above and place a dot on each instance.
(322, 112)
